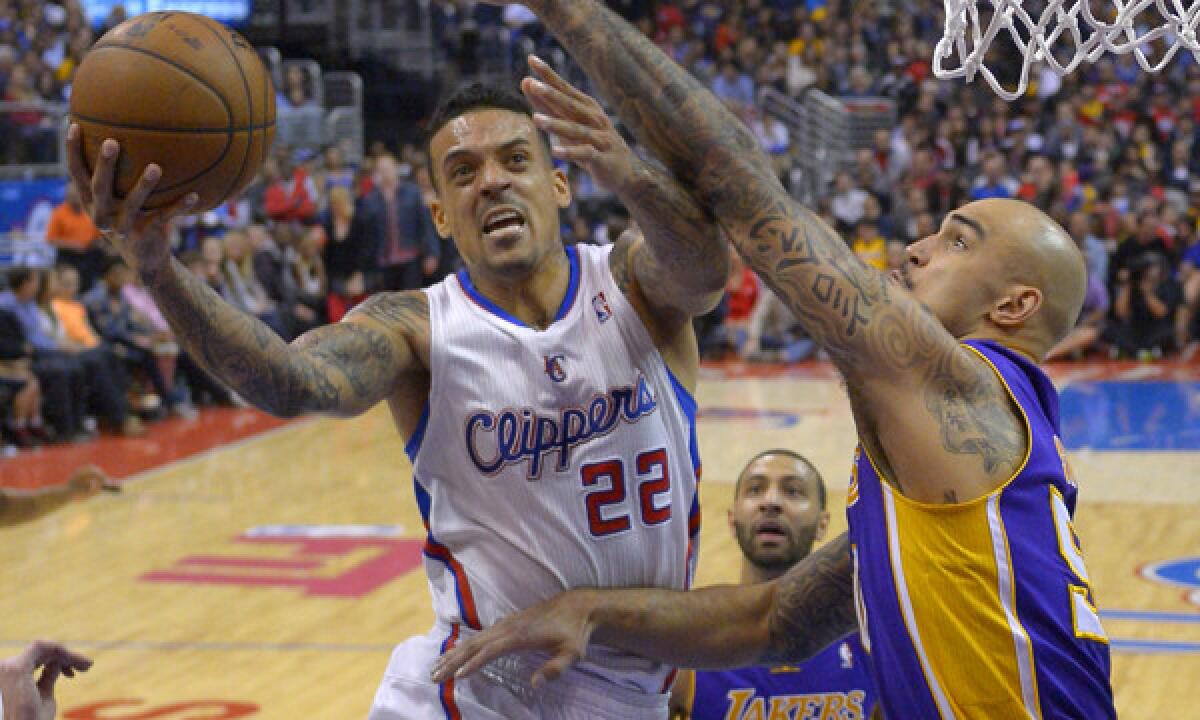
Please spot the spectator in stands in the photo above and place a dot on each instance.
(399, 229)
(1144, 309)
(346, 253)
(240, 283)
(290, 195)
(297, 89)
(1187, 327)
(773, 333)
(335, 173)
(734, 86)
(1147, 239)
(869, 245)
(995, 181)
(20, 392)
(75, 238)
(131, 338)
(309, 280)
(848, 202)
(74, 380)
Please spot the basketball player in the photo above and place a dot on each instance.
(778, 513)
(544, 392)
(972, 596)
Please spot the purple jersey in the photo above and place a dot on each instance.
(982, 609)
(833, 684)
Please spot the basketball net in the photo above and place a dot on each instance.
(1065, 34)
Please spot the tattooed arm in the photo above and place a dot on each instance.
(787, 620)
(894, 355)
(340, 369)
(678, 262)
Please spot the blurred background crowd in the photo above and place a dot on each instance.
(1111, 152)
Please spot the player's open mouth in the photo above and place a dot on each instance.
(771, 530)
(502, 220)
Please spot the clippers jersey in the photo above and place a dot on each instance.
(833, 684)
(982, 610)
(553, 459)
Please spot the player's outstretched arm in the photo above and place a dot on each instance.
(894, 354)
(678, 263)
(787, 620)
(340, 369)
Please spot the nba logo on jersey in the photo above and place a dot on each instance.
(600, 305)
(847, 656)
(554, 367)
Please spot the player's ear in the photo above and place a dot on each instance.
(1015, 308)
(562, 189)
(438, 211)
(822, 526)
(729, 518)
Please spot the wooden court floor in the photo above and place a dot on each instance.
(270, 579)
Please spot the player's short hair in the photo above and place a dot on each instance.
(477, 96)
(786, 453)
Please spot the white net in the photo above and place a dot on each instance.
(1063, 34)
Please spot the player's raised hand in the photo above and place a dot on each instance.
(23, 698)
(560, 627)
(582, 131)
(138, 235)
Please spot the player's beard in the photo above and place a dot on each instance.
(799, 545)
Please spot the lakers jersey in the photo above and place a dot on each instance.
(982, 610)
(553, 459)
(834, 684)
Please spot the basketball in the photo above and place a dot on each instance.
(180, 90)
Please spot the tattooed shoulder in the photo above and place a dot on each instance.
(975, 414)
(407, 312)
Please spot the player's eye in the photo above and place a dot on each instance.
(460, 172)
(519, 158)
(960, 242)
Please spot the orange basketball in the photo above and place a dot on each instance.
(182, 91)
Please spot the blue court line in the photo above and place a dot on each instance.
(212, 646)
(1151, 616)
(1153, 647)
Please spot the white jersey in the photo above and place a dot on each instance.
(553, 459)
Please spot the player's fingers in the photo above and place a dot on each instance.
(102, 184)
(46, 682)
(555, 102)
(572, 131)
(546, 74)
(578, 154)
(133, 202)
(38, 653)
(455, 662)
(73, 661)
(75, 165)
(557, 665)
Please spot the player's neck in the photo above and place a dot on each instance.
(534, 298)
(753, 574)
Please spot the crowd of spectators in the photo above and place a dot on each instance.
(1111, 152)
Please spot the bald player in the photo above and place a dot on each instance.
(971, 593)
